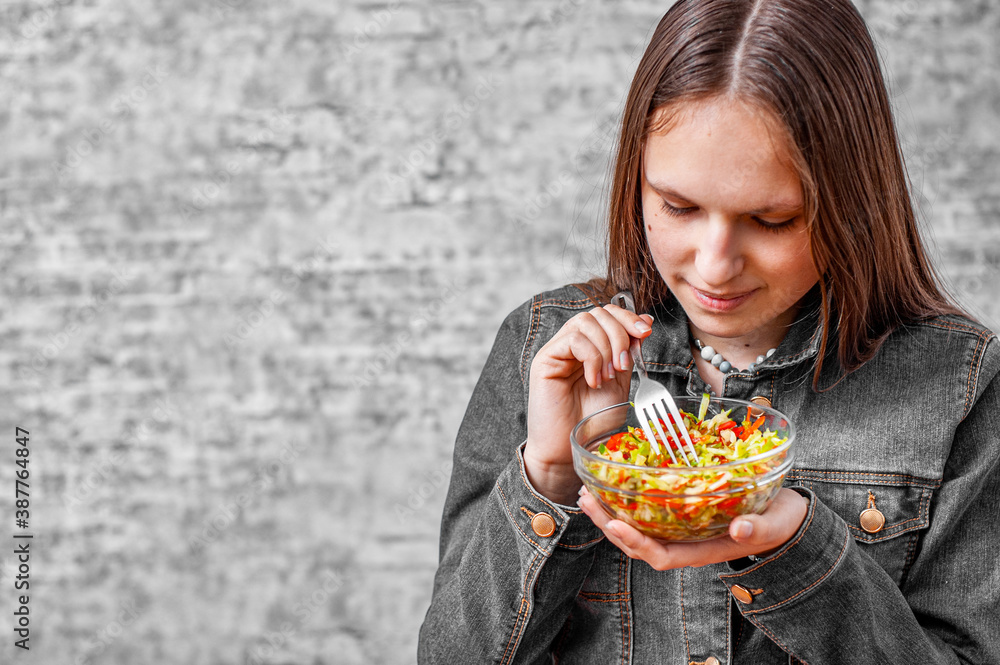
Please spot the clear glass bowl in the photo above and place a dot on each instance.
(629, 492)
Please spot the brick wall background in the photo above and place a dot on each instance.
(236, 232)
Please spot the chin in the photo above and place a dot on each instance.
(728, 325)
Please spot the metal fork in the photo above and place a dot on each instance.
(652, 398)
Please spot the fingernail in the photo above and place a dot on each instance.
(641, 326)
(623, 360)
(613, 529)
(744, 529)
(611, 371)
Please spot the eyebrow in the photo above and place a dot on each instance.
(778, 206)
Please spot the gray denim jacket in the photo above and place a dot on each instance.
(917, 427)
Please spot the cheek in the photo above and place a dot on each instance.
(789, 263)
(667, 245)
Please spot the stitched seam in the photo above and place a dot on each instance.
(503, 658)
(527, 575)
(887, 536)
(528, 512)
(949, 325)
(648, 363)
(527, 612)
(789, 547)
(627, 609)
(922, 482)
(536, 315)
(968, 383)
(513, 519)
(525, 606)
(625, 612)
(921, 516)
(556, 301)
(977, 363)
(687, 644)
(911, 552)
(840, 556)
(740, 636)
(621, 615)
(855, 481)
(863, 473)
(729, 628)
(581, 545)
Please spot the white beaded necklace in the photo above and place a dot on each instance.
(724, 366)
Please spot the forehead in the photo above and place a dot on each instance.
(715, 150)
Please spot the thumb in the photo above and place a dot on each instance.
(752, 530)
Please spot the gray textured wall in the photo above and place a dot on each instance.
(253, 256)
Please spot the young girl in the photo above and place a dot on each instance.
(759, 202)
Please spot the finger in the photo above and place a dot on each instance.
(640, 546)
(775, 526)
(637, 325)
(623, 536)
(617, 337)
(659, 555)
(639, 330)
(569, 351)
(588, 324)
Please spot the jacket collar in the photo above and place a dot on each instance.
(667, 348)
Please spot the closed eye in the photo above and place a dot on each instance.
(773, 227)
(677, 212)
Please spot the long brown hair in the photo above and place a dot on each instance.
(811, 66)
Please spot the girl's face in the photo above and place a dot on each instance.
(724, 219)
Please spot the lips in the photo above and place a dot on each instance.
(721, 302)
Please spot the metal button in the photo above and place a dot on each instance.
(759, 400)
(741, 594)
(712, 660)
(543, 525)
(872, 520)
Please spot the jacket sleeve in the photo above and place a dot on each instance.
(502, 590)
(823, 600)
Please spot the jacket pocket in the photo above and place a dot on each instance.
(885, 512)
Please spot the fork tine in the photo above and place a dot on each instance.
(650, 436)
(668, 400)
(673, 432)
(649, 433)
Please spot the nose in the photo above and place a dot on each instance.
(719, 255)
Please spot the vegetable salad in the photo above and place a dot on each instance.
(691, 504)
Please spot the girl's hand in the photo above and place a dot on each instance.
(585, 367)
(766, 533)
